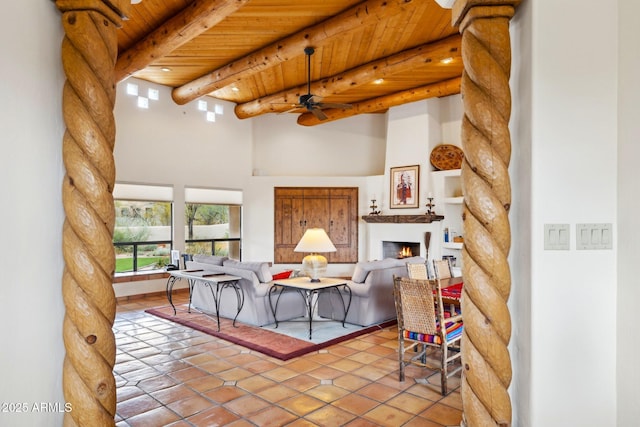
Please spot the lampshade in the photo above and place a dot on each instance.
(315, 240)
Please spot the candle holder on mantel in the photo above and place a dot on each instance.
(374, 208)
(430, 206)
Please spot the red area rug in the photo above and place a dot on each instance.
(267, 342)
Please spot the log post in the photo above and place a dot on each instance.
(486, 53)
(89, 52)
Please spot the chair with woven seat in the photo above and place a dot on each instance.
(442, 268)
(417, 270)
(420, 313)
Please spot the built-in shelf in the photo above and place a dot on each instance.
(452, 245)
(402, 219)
(447, 187)
(454, 200)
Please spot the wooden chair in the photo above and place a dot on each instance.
(417, 270)
(442, 268)
(420, 313)
(421, 271)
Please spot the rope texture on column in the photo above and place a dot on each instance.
(89, 52)
(486, 143)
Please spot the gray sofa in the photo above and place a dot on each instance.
(372, 293)
(256, 280)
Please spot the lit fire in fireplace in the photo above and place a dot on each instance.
(405, 252)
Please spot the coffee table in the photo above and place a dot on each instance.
(308, 290)
(216, 282)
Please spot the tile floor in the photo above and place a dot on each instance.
(168, 374)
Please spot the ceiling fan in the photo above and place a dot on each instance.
(312, 102)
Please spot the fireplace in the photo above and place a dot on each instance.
(400, 249)
(414, 234)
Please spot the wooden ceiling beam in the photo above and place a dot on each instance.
(444, 88)
(289, 47)
(364, 74)
(192, 21)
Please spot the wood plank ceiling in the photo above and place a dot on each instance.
(370, 54)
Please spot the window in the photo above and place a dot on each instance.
(142, 236)
(213, 222)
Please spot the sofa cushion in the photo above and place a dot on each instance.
(194, 265)
(210, 259)
(261, 269)
(412, 260)
(362, 269)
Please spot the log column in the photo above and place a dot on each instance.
(89, 52)
(486, 53)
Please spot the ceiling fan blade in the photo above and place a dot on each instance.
(292, 109)
(318, 113)
(333, 105)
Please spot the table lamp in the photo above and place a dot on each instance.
(315, 240)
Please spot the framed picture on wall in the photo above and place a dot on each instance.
(404, 187)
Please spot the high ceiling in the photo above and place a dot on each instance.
(371, 54)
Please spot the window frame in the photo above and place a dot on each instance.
(136, 244)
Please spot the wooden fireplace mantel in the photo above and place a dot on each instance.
(402, 219)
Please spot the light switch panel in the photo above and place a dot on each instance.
(556, 237)
(594, 236)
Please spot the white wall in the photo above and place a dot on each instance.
(283, 148)
(174, 145)
(573, 175)
(171, 144)
(628, 375)
(413, 130)
(31, 171)
(520, 216)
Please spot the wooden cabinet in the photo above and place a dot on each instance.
(333, 208)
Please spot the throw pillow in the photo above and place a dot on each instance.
(282, 275)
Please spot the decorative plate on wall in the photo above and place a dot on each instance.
(446, 157)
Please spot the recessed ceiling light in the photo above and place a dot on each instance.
(447, 60)
(235, 89)
(135, 1)
(378, 81)
(165, 69)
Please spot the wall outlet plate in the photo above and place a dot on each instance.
(556, 237)
(594, 236)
